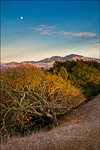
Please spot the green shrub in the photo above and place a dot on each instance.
(49, 127)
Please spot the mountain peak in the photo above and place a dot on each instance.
(48, 62)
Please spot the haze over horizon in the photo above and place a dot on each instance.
(34, 30)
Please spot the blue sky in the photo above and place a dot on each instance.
(48, 28)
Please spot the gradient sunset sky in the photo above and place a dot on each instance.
(34, 30)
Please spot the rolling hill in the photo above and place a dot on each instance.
(47, 62)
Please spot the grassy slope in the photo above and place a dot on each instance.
(79, 130)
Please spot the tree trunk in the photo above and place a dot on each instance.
(55, 120)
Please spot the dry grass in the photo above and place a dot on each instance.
(79, 130)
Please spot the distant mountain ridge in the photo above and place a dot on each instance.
(48, 62)
(67, 57)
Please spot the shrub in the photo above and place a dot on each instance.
(29, 94)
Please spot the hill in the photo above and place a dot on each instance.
(47, 62)
(78, 130)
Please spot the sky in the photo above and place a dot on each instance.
(34, 30)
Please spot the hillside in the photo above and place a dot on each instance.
(47, 62)
(78, 130)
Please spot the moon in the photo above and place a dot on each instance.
(21, 17)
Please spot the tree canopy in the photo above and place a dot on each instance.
(28, 93)
(84, 74)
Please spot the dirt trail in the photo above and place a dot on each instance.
(79, 130)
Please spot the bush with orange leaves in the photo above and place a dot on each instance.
(28, 93)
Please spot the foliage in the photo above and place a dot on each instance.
(49, 127)
(28, 95)
(84, 74)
